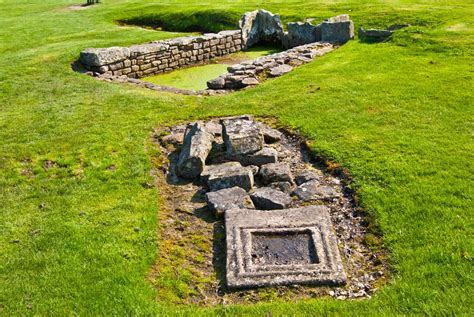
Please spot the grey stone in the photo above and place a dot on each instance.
(227, 176)
(217, 83)
(260, 26)
(196, 146)
(374, 35)
(250, 81)
(217, 168)
(281, 247)
(280, 70)
(339, 29)
(313, 190)
(299, 33)
(228, 198)
(241, 136)
(97, 57)
(285, 187)
(264, 156)
(268, 198)
(214, 127)
(275, 172)
(270, 135)
(307, 176)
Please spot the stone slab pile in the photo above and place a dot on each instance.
(250, 73)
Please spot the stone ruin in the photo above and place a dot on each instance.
(303, 41)
(285, 220)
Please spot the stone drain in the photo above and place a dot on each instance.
(286, 221)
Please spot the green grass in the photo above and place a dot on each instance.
(195, 78)
(80, 238)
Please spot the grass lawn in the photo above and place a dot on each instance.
(79, 219)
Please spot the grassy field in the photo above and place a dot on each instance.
(79, 217)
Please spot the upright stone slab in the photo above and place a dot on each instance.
(196, 146)
(260, 26)
(300, 33)
(241, 136)
(339, 29)
(282, 247)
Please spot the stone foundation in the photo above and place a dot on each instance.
(128, 64)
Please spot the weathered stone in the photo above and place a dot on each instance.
(275, 172)
(268, 198)
(374, 35)
(196, 146)
(280, 70)
(306, 176)
(339, 29)
(228, 198)
(102, 56)
(214, 127)
(270, 135)
(260, 26)
(299, 33)
(217, 169)
(313, 190)
(241, 136)
(264, 156)
(280, 247)
(217, 83)
(250, 81)
(227, 176)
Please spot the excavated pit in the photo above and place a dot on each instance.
(190, 229)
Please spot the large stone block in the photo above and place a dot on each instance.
(281, 247)
(268, 198)
(228, 175)
(299, 33)
(276, 172)
(260, 26)
(313, 190)
(339, 29)
(97, 57)
(196, 146)
(241, 136)
(228, 198)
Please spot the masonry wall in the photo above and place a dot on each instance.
(161, 56)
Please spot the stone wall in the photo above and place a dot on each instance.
(161, 56)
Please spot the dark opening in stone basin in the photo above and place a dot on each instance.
(283, 248)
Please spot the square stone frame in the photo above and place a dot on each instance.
(313, 220)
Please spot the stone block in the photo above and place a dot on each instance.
(229, 175)
(241, 136)
(281, 247)
(313, 190)
(268, 198)
(196, 147)
(275, 172)
(228, 198)
(266, 155)
(103, 56)
(338, 29)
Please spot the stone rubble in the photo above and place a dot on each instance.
(291, 182)
(196, 147)
(376, 35)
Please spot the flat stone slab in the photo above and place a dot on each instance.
(228, 198)
(268, 199)
(229, 175)
(313, 190)
(282, 247)
(307, 176)
(241, 136)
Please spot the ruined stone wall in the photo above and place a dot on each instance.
(161, 56)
